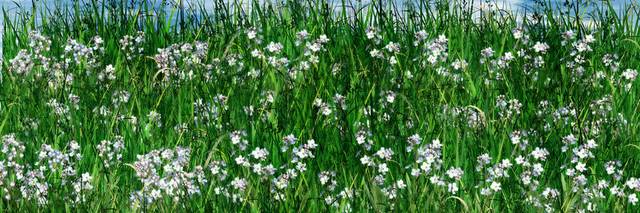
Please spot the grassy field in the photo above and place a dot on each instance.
(305, 107)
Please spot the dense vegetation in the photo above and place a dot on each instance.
(315, 106)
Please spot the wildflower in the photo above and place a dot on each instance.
(459, 64)
(21, 64)
(420, 36)
(366, 160)
(393, 47)
(382, 168)
(132, 46)
(120, 97)
(164, 174)
(550, 193)
(483, 160)
(259, 154)
(240, 160)
(288, 140)
(302, 35)
(274, 47)
(436, 181)
(391, 97)
(495, 186)
(385, 153)
(540, 47)
(452, 188)
(487, 52)
(81, 188)
(517, 33)
(155, 117)
(111, 151)
(376, 53)
(239, 184)
(372, 34)
(218, 170)
(413, 141)
(630, 74)
(108, 74)
(633, 199)
(237, 138)
(34, 187)
(455, 173)
(540, 153)
(251, 34)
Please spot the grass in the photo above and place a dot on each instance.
(224, 95)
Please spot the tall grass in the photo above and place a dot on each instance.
(457, 100)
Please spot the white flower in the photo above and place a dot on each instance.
(487, 52)
(630, 74)
(240, 160)
(589, 38)
(436, 180)
(371, 33)
(633, 199)
(581, 167)
(314, 47)
(274, 47)
(393, 47)
(453, 187)
(420, 36)
(537, 169)
(382, 168)
(391, 97)
(633, 183)
(540, 47)
(496, 186)
(415, 172)
(366, 160)
(385, 153)
(323, 39)
(459, 64)
(239, 184)
(251, 34)
(302, 34)
(455, 173)
(517, 33)
(520, 160)
(591, 144)
(515, 137)
(540, 153)
(257, 53)
(259, 154)
(550, 193)
(413, 140)
(376, 53)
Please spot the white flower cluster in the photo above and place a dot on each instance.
(312, 48)
(326, 109)
(80, 54)
(26, 61)
(508, 109)
(164, 174)
(208, 113)
(131, 46)
(110, 151)
(579, 54)
(19, 179)
(180, 62)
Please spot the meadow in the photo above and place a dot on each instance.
(316, 106)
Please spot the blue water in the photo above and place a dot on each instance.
(509, 5)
